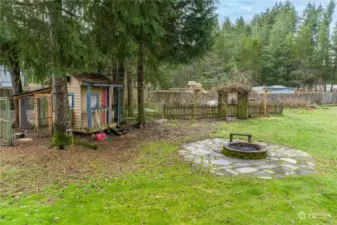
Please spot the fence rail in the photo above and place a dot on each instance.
(190, 111)
(257, 110)
(298, 98)
(207, 111)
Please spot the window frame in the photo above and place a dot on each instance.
(97, 96)
(72, 95)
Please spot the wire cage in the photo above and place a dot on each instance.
(35, 111)
(31, 118)
(27, 112)
(42, 114)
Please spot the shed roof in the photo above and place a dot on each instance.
(36, 91)
(97, 78)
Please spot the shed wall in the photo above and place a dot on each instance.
(75, 88)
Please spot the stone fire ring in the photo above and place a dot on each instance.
(280, 162)
(259, 153)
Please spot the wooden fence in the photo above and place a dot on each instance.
(257, 110)
(206, 111)
(190, 111)
(298, 98)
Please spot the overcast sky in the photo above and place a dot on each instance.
(247, 8)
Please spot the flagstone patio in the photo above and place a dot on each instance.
(281, 161)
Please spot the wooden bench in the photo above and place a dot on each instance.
(231, 135)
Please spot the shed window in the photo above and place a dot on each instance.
(71, 100)
(94, 100)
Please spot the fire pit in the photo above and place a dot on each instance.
(244, 150)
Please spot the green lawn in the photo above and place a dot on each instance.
(166, 190)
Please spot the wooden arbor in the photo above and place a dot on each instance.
(242, 93)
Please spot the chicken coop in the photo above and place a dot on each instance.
(35, 109)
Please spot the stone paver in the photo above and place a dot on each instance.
(294, 161)
(246, 169)
(281, 161)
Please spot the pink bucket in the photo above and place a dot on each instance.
(100, 136)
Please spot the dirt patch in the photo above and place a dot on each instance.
(31, 165)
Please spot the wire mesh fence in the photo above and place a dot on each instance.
(34, 115)
(5, 122)
(27, 113)
(42, 108)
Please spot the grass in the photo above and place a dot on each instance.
(165, 190)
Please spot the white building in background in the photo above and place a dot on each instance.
(328, 87)
(5, 78)
(276, 89)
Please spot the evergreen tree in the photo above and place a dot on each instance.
(53, 44)
(323, 56)
(334, 56)
(305, 40)
(276, 47)
(10, 58)
(277, 54)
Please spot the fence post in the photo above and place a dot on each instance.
(195, 104)
(35, 114)
(9, 113)
(50, 113)
(265, 102)
(223, 104)
(242, 106)
(19, 110)
(165, 111)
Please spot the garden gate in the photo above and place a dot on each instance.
(5, 122)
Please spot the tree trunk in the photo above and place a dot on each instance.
(16, 85)
(115, 72)
(61, 112)
(331, 88)
(140, 81)
(121, 78)
(59, 82)
(115, 91)
(130, 95)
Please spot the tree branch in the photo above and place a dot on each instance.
(69, 13)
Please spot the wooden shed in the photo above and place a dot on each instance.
(94, 101)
